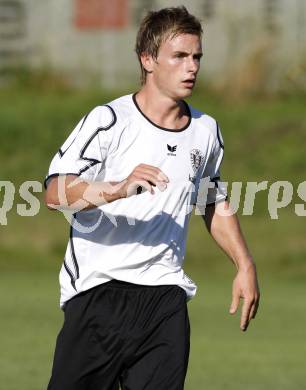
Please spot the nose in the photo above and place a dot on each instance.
(193, 65)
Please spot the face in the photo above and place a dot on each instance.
(175, 70)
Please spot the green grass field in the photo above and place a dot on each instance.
(265, 140)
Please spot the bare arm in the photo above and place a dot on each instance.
(225, 230)
(73, 193)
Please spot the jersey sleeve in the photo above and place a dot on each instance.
(85, 150)
(217, 190)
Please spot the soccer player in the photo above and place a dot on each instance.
(130, 172)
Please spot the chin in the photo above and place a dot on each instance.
(181, 94)
(185, 93)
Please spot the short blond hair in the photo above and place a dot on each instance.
(157, 26)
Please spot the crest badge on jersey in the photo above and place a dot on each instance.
(197, 160)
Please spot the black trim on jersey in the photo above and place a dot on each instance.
(219, 136)
(60, 152)
(91, 161)
(215, 180)
(164, 128)
(69, 272)
(96, 132)
(56, 175)
(216, 202)
(74, 259)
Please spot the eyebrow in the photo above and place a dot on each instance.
(198, 54)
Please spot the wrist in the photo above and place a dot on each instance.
(245, 265)
(118, 190)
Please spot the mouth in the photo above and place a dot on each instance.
(189, 83)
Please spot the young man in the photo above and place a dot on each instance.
(130, 172)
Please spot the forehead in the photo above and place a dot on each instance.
(182, 42)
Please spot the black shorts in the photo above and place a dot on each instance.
(122, 333)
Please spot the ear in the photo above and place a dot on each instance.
(147, 62)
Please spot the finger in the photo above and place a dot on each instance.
(151, 179)
(160, 175)
(133, 188)
(244, 322)
(255, 309)
(234, 304)
(161, 185)
(251, 315)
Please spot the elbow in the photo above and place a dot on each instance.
(51, 198)
(57, 197)
(51, 201)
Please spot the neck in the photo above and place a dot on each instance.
(162, 110)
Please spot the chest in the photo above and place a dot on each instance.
(181, 156)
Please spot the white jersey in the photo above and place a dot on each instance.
(140, 239)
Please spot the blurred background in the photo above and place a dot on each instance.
(61, 58)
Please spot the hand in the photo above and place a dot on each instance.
(144, 176)
(245, 286)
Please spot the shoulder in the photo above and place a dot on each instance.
(204, 120)
(106, 116)
(207, 123)
(101, 117)
(122, 108)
